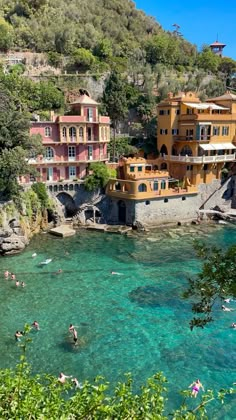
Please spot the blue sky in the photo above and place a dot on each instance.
(200, 21)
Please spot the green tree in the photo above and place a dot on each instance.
(16, 145)
(6, 35)
(40, 189)
(83, 59)
(98, 177)
(215, 282)
(115, 101)
(123, 146)
(208, 60)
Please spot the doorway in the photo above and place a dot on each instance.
(121, 211)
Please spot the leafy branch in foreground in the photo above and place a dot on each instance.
(43, 396)
(216, 282)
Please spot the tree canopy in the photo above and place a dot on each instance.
(16, 144)
(215, 283)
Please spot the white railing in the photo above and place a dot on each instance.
(200, 159)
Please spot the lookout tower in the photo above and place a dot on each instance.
(217, 48)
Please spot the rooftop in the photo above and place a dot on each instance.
(84, 100)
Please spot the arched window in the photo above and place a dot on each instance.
(64, 132)
(163, 184)
(163, 150)
(163, 165)
(186, 150)
(47, 131)
(49, 154)
(81, 133)
(102, 133)
(72, 133)
(142, 188)
(105, 133)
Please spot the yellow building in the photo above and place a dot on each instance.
(196, 139)
(140, 179)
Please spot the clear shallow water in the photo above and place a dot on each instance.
(136, 322)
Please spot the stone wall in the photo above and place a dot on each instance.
(163, 209)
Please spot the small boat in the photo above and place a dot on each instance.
(46, 261)
(34, 255)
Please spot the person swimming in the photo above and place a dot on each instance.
(76, 383)
(62, 378)
(225, 309)
(72, 327)
(6, 274)
(36, 325)
(75, 336)
(116, 273)
(195, 386)
(13, 277)
(17, 283)
(18, 335)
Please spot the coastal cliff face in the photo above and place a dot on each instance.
(22, 220)
(18, 226)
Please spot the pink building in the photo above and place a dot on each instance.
(72, 142)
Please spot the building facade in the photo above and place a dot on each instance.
(142, 193)
(196, 139)
(71, 142)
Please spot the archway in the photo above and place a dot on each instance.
(121, 211)
(186, 150)
(163, 150)
(68, 203)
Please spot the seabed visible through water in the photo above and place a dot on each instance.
(135, 322)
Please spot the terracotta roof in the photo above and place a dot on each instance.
(217, 44)
(84, 100)
(227, 96)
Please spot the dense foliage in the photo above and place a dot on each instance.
(16, 145)
(215, 282)
(98, 177)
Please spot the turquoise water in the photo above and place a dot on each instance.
(136, 322)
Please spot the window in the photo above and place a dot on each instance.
(81, 133)
(71, 152)
(131, 168)
(47, 131)
(89, 133)
(163, 131)
(64, 132)
(90, 114)
(72, 133)
(177, 111)
(189, 134)
(189, 167)
(225, 130)
(164, 112)
(216, 131)
(140, 168)
(49, 153)
(142, 188)
(163, 185)
(175, 131)
(72, 172)
(90, 152)
(189, 111)
(155, 186)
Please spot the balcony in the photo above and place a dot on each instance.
(192, 138)
(61, 160)
(200, 159)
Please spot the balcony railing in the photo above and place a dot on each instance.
(53, 160)
(192, 138)
(200, 159)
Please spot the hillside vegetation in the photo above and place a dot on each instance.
(100, 37)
